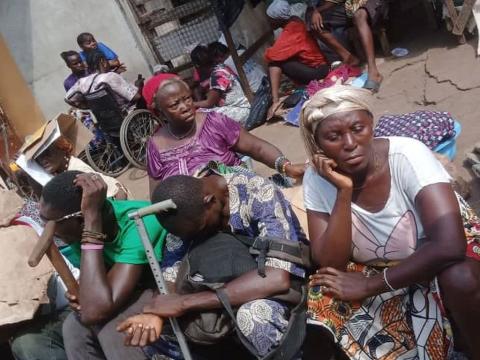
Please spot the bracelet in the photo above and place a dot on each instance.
(89, 240)
(88, 246)
(279, 163)
(390, 287)
(94, 235)
(287, 162)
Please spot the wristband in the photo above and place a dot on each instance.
(89, 246)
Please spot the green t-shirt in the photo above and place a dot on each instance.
(127, 247)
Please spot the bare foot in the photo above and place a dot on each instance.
(273, 109)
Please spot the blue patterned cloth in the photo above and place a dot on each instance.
(263, 323)
(257, 208)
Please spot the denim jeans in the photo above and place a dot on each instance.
(103, 341)
(42, 340)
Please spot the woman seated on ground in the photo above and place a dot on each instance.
(58, 158)
(125, 94)
(295, 53)
(253, 71)
(189, 139)
(224, 94)
(387, 205)
(364, 13)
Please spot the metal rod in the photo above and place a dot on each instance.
(239, 65)
(155, 267)
(152, 209)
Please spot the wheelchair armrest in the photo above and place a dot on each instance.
(77, 99)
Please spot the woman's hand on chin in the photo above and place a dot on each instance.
(326, 168)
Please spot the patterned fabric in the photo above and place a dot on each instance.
(351, 6)
(263, 322)
(338, 76)
(430, 127)
(257, 208)
(471, 225)
(376, 9)
(233, 102)
(213, 141)
(404, 324)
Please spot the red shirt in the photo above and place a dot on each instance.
(151, 86)
(295, 42)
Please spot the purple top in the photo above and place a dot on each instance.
(213, 141)
(70, 81)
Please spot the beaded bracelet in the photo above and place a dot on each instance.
(284, 166)
(88, 246)
(390, 287)
(279, 163)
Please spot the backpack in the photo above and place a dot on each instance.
(211, 263)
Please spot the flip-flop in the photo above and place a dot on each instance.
(372, 85)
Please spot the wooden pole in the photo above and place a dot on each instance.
(239, 65)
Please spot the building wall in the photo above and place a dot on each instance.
(36, 32)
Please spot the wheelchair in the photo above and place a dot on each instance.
(120, 136)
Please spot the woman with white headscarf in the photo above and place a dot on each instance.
(295, 52)
(386, 234)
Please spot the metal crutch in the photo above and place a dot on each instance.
(157, 272)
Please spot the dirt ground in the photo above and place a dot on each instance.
(438, 74)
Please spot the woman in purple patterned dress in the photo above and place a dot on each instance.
(191, 139)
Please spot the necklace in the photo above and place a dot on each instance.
(183, 136)
(375, 168)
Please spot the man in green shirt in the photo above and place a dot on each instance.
(112, 262)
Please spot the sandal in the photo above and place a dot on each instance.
(372, 85)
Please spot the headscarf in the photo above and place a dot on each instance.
(327, 102)
(279, 10)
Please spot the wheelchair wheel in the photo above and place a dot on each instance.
(106, 157)
(136, 129)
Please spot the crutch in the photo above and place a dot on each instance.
(157, 272)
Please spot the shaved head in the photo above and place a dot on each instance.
(168, 89)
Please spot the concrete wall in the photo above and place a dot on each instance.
(36, 33)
